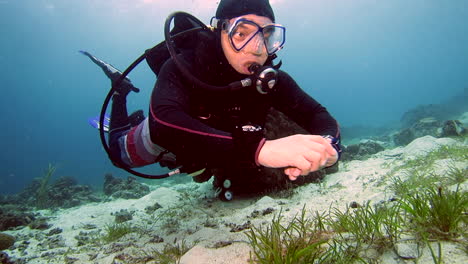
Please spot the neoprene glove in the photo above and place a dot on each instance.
(125, 87)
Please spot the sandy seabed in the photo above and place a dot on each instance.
(194, 215)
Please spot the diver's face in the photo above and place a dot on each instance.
(253, 52)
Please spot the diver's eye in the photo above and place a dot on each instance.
(239, 35)
(243, 30)
(268, 31)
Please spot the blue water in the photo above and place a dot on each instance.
(367, 61)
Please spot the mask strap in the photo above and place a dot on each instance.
(217, 23)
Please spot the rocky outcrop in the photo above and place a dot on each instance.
(6, 241)
(62, 193)
(452, 128)
(429, 127)
(13, 217)
(362, 150)
(121, 188)
(66, 193)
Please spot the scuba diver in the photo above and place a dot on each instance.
(194, 123)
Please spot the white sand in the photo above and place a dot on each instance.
(198, 216)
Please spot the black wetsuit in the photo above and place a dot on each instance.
(201, 126)
(198, 125)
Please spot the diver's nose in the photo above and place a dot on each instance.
(256, 46)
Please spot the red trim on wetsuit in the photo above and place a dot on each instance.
(132, 149)
(257, 153)
(186, 129)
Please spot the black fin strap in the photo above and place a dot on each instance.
(161, 155)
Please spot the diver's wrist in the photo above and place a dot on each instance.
(119, 98)
(335, 143)
(261, 144)
(248, 140)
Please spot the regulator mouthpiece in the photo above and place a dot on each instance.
(264, 78)
(254, 68)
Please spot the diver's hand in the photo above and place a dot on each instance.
(125, 86)
(299, 154)
(294, 173)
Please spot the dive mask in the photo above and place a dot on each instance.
(242, 31)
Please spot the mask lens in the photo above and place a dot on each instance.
(242, 32)
(274, 38)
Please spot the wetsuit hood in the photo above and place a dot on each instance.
(228, 9)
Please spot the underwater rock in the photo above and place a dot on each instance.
(429, 127)
(52, 242)
(5, 259)
(55, 231)
(421, 112)
(278, 125)
(454, 106)
(221, 244)
(152, 208)
(66, 193)
(452, 128)
(40, 224)
(14, 219)
(8, 199)
(257, 213)
(268, 211)
(84, 237)
(6, 241)
(127, 189)
(361, 150)
(65, 182)
(424, 127)
(122, 216)
(239, 228)
(404, 137)
(63, 193)
(70, 260)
